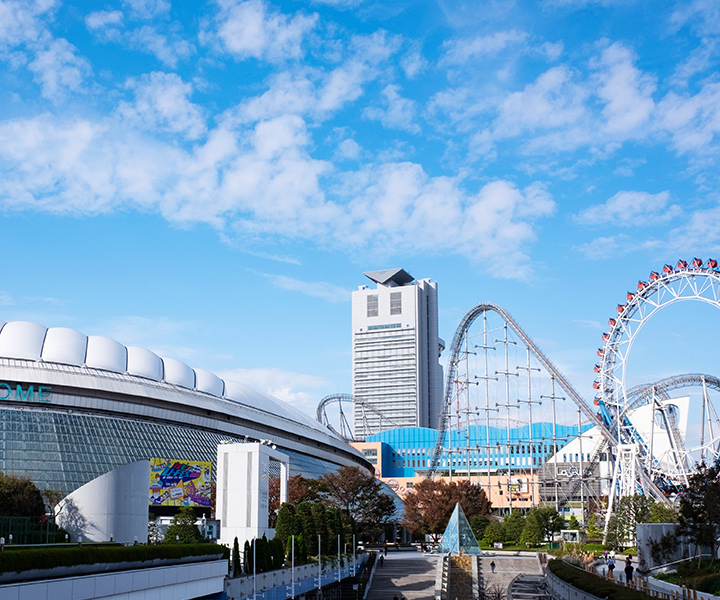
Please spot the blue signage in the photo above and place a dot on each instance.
(28, 394)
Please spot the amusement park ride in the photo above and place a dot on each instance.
(636, 438)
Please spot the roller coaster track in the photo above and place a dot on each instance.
(455, 349)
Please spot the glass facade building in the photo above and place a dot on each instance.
(74, 407)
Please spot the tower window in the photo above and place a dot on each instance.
(372, 305)
(395, 303)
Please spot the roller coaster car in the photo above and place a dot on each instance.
(642, 285)
(697, 262)
(682, 264)
(654, 276)
(668, 269)
(712, 263)
(612, 322)
(605, 337)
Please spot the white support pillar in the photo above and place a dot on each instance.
(243, 477)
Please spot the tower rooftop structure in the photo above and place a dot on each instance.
(390, 277)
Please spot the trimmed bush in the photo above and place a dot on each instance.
(21, 559)
(595, 585)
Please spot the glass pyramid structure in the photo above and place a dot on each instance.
(458, 537)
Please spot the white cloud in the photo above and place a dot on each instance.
(693, 122)
(624, 89)
(315, 289)
(606, 247)
(146, 9)
(459, 52)
(103, 18)
(250, 29)
(58, 69)
(348, 149)
(632, 209)
(162, 101)
(413, 64)
(399, 114)
(700, 234)
(22, 21)
(260, 183)
(297, 389)
(168, 50)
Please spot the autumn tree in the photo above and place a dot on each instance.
(429, 505)
(361, 497)
(303, 489)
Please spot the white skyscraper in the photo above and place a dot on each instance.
(397, 377)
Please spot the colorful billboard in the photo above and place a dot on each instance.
(180, 482)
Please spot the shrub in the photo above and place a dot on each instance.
(25, 559)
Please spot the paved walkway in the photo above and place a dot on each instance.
(411, 574)
(507, 567)
(407, 573)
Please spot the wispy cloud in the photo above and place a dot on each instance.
(315, 289)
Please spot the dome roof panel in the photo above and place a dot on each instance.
(22, 339)
(208, 382)
(178, 373)
(144, 363)
(106, 354)
(64, 346)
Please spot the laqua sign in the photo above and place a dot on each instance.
(29, 393)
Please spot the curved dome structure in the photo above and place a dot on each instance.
(73, 407)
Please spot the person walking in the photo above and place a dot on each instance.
(611, 566)
(492, 566)
(628, 569)
(382, 559)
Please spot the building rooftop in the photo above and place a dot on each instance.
(390, 277)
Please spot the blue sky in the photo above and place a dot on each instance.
(210, 179)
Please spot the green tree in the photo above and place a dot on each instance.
(236, 568)
(286, 522)
(594, 526)
(307, 526)
(514, 525)
(183, 528)
(630, 511)
(550, 521)
(247, 557)
(20, 497)
(494, 533)
(573, 523)
(321, 527)
(478, 523)
(532, 534)
(661, 513)
(699, 514)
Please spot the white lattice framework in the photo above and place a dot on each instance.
(683, 283)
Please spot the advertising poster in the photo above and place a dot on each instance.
(179, 482)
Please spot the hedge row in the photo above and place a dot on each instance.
(597, 586)
(49, 557)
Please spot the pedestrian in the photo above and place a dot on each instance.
(611, 566)
(382, 558)
(385, 549)
(492, 566)
(605, 555)
(628, 570)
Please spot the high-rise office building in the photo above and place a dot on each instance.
(397, 377)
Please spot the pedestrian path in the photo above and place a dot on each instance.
(404, 573)
(410, 574)
(507, 568)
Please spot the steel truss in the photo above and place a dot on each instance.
(637, 469)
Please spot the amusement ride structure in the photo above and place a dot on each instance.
(629, 440)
